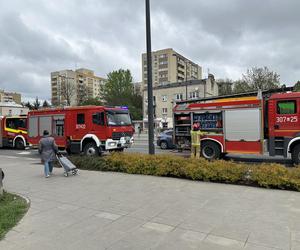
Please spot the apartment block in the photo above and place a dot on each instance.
(10, 97)
(168, 66)
(166, 96)
(73, 87)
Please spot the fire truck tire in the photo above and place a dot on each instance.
(210, 150)
(91, 149)
(19, 144)
(296, 155)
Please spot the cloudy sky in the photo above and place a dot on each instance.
(40, 36)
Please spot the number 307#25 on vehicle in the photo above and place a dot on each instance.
(262, 123)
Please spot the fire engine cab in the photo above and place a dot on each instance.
(264, 123)
(88, 129)
(13, 131)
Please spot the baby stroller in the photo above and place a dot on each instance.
(68, 166)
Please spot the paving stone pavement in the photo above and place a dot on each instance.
(98, 210)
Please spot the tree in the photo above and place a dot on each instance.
(28, 105)
(83, 94)
(297, 86)
(119, 91)
(261, 78)
(256, 78)
(68, 90)
(91, 101)
(136, 106)
(118, 88)
(241, 86)
(225, 86)
(36, 104)
(46, 104)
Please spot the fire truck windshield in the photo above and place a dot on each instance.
(16, 123)
(118, 118)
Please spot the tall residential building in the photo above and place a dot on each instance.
(10, 97)
(168, 66)
(75, 86)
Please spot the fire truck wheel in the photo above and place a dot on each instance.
(91, 149)
(19, 144)
(210, 150)
(296, 154)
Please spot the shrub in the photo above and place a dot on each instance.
(263, 175)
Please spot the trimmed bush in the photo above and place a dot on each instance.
(262, 175)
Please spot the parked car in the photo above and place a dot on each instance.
(165, 139)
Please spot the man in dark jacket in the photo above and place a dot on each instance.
(47, 149)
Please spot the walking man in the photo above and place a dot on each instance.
(47, 149)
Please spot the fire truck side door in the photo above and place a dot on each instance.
(98, 127)
(285, 121)
(80, 126)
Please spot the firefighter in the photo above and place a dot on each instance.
(195, 140)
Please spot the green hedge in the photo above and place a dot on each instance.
(263, 175)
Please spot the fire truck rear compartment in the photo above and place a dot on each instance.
(243, 130)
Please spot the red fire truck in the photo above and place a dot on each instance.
(264, 123)
(13, 131)
(88, 129)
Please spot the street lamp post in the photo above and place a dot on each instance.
(149, 78)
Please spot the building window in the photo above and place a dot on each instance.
(163, 75)
(164, 110)
(163, 62)
(164, 98)
(179, 97)
(194, 95)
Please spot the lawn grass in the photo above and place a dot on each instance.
(12, 209)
